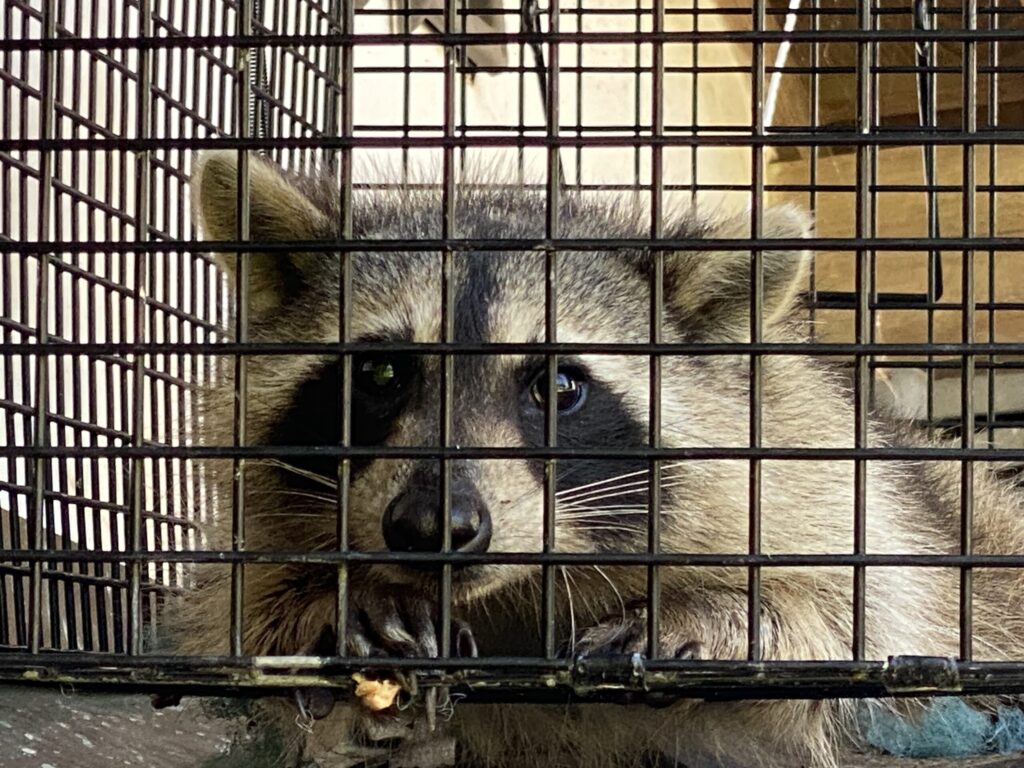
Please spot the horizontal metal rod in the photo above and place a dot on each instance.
(622, 678)
(683, 11)
(497, 38)
(518, 245)
(844, 138)
(269, 557)
(724, 453)
(952, 349)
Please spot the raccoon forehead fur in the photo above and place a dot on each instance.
(707, 292)
(807, 506)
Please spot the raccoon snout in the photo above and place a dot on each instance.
(412, 521)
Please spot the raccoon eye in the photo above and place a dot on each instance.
(570, 388)
(378, 376)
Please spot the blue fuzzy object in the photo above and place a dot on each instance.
(1008, 733)
(947, 727)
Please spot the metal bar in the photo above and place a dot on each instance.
(864, 225)
(657, 311)
(40, 438)
(66, 627)
(928, 116)
(63, 620)
(993, 217)
(40, 435)
(756, 394)
(554, 178)
(243, 102)
(970, 126)
(406, 93)
(557, 452)
(142, 203)
(814, 115)
(345, 299)
(695, 105)
(447, 329)
(708, 137)
(823, 349)
(782, 560)
(890, 244)
(494, 38)
(534, 679)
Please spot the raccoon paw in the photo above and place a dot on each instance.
(625, 633)
(404, 628)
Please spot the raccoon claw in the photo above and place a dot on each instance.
(406, 629)
(463, 643)
(390, 627)
(626, 634)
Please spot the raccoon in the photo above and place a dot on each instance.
(601, 505)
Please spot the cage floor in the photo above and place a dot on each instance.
(42, 727)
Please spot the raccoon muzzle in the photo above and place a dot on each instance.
(412, 521)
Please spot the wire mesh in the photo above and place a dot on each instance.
(897, 125)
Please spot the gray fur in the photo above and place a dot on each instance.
(806, 506)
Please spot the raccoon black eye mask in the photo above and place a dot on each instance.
(601, 505)
(385, 378)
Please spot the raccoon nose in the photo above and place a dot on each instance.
(412, 523)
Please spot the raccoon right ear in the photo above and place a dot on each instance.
(279, 211)
(711, 291)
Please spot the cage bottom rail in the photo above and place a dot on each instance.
(623, 679)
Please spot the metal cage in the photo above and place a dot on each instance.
(111, 311)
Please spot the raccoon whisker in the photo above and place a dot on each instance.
(602, 516)
(596, 492)
(315, 477)
(594, 486)
(585, 513)
(618, 528)
(300, 494)
(615, 589)
(290, 515)
(572, 508)
(623, 490)
(597, 483)
(572, 611)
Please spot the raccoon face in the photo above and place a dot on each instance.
(497, 401)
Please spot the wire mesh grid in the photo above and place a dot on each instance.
(897, 124)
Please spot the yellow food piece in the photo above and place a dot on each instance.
(375, 695)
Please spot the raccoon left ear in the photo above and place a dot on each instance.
(711, 291)
(281, 209)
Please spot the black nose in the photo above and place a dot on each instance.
(412, 521)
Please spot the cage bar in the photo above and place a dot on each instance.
(345, 297)
(448, 309)
(138, 468)
(754, 647)
(243, 269)
(551, 224)
(41, 431)
(863, 317)
(657, 311)
(968, 192)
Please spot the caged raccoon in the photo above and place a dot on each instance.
(912, 506)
